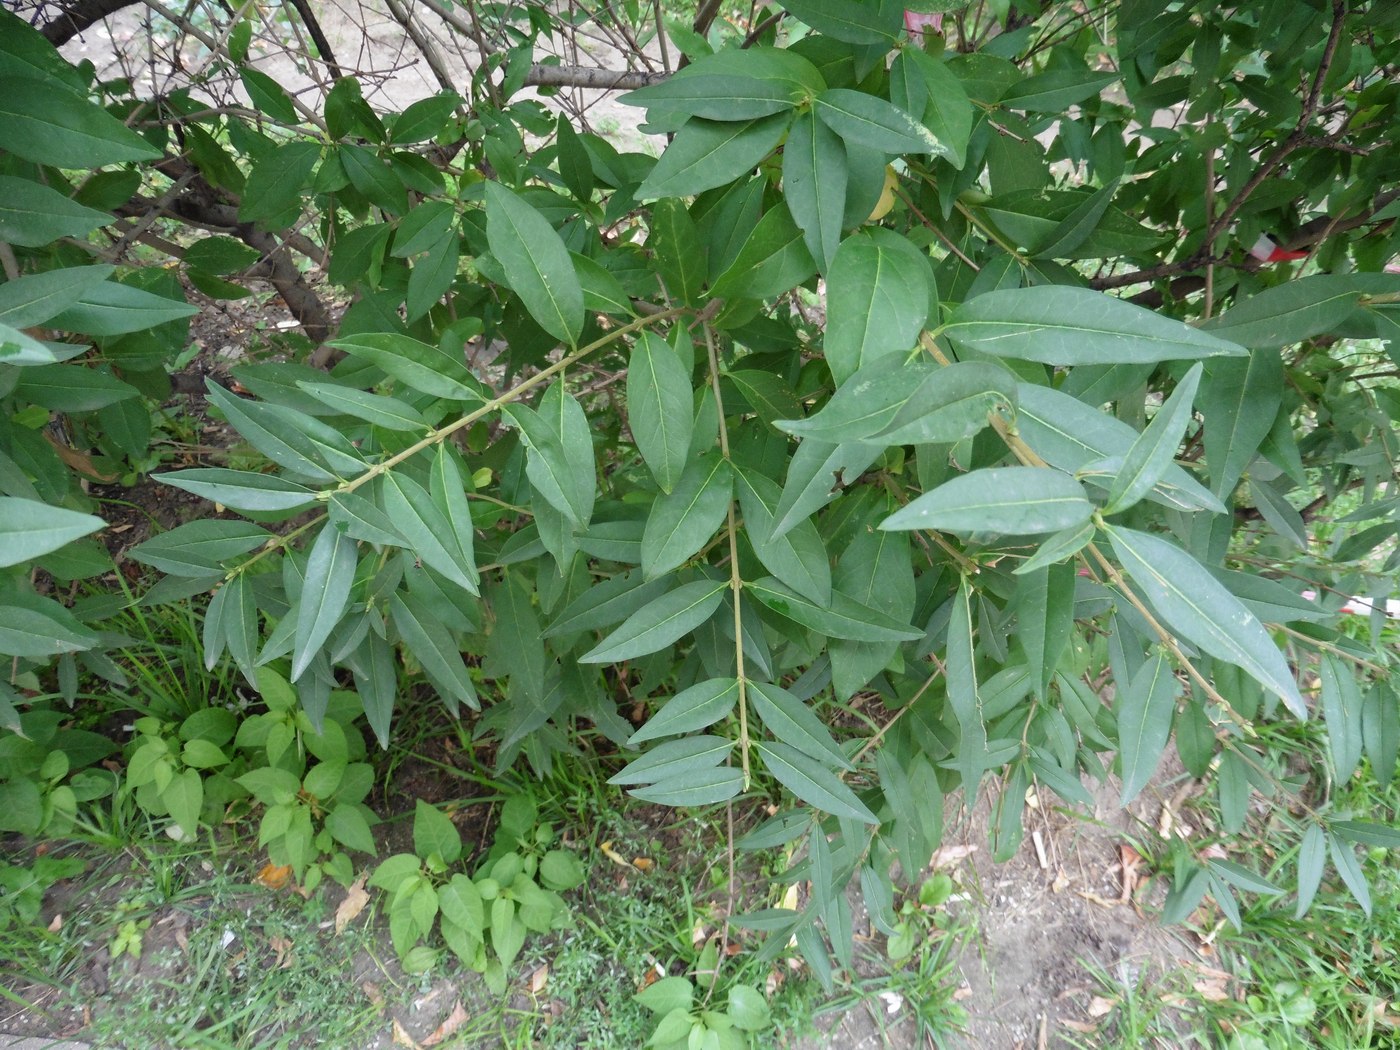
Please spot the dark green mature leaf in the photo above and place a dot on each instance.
(29, 529)
(32, 628)
(422, 367)
(427, 530)
(791, 721)
(300, 443)
(843, 618)
(1349, 868)
(814, 184)
(1239, 401)
(1060, 325)
(1008, 500)
(683, 521)
(816, 474)
(387, 412)
(867, 403)
(1199, 608)
(708, 153)
(1298, 309)
(1312, 859)
(774, 259)
(964, 695)
(1044, 603)
(33, 215)
(695, 708)
(659, 623)
(674, 758)
(868, 122)
(1341, 711)
(550, 467)
(116, 309)
(698, 93)
(72, 387)
(64, 129)
(1145, 711)
(849, 20)
(953, 403)
(424, 636)
(924, 86)
(240, 489)
(536, 262)
(877, 300)
(330, 570)
(659, 403)
(199, 548)
(699, 787)
(1146, 462)
(797, 557)
(277, 180)
(813, 782)
(1056, 89)
(374, 178)
(680, 254)
(606, 603)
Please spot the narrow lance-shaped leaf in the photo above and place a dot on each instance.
(695, 708)
(813, 782)
(1145, 710)
(814, 181)
(1146, 462)
(422, 367)
(29, 529)
(681, 523)
(330, 570)
(797, 557)
(1198, 607)
(536, 263)
(843, 618)
(1008, 500)
(964, 695)
(1341, 710)
(877, 300)
(708, 153)
(659, 623)
(1239, 401)
(659, 408)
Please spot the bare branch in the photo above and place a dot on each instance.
(318, 37)
(589, 77)
(75, 17)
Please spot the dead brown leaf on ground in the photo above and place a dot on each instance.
(455, 1020)
(349, 910)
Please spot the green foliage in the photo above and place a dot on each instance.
(974, 484)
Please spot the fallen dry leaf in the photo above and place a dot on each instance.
(402, 1038)
(349, 909)
(613, 855)
(1100, 1006)
(1079, 1026)
(372, 993)
(1130, 861)
(449, 1027)
(274, 876)
(947, 856)
(283, 947)
(539, 979)
(56, 923)
(1212, 991)
(643, 863)
(1061, 882)
(962, 992)
(1094, 898)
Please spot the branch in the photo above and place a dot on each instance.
(77, 16)
(588, 77)
(318, 37)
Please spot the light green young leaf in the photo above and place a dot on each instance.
(1145, 711)
(1198, 607)
(659, 403)
(117, 309)
(681, 523)
(1147, 460)
(709, 153)
(33, 627)
(536, 263)
(1061, 325)
(813, 782)
(1006, 500)
(330, 570)
(659, 623)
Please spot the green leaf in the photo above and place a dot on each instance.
(184, 798)
(868, 122)
(21, 348)
(433, 648)
(709, 153)
(773, 260)
(697, 93)
(699, 787)
(116, 309)
(1344, 860)
(951, 404)
(1145, 710)
(767, 395)
(877, 300)
(748, 1009)
(921, 84)
(606, 603)
(240, 620)
(867, 402)
(1341, 711)
(240, 489)
(667, 994)
(1239, 401)
(814, 185)
(348, 826)
(683, 521)
(674, 758)
(330, 570)
(816, 473)
(812, 782)
(550, 465)
(268, 96)
(373, 178)
(423, 119)
(430, 535)
(1060, 325)
(695, 708)
(303, 445)
(360, 519)
(797, 557)
(37, 297)
(1044, 602)
(1298, 309)
(659, 623)
(72, 388)
(1312, 859)
(387, 412)
(64, 129)
(659, 401)
(1074, 229)
(277, 181)
(1147, 460)
(679, 253)
(849, 20)
(1367, 833)
(199, 548)
(33, 215)
(29, 529)
(32, 627)
(1198, 607)
(1055, 90)
(791, 721)
(1007, 500)
(843, 618)
(432, 276)
(536, 263)
(424, 368)
(434, 832)
(964, 696)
